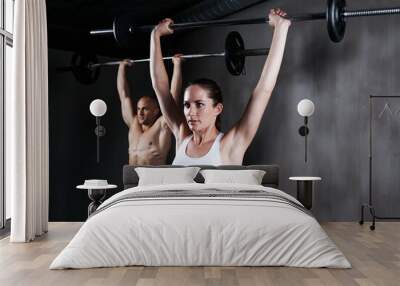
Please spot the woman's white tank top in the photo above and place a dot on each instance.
(213, 157)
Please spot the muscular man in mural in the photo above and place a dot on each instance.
(149, 136)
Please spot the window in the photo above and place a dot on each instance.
(8, 70)
(9, 15)
(6, 62)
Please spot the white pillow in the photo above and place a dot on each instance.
(248, 177)
(163, 176)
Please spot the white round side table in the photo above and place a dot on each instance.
(96, 195)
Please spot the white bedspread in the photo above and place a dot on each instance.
(181, 231)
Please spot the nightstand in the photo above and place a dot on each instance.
(305, 189)
(96, 195)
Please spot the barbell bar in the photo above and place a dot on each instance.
(335, 15)
(246, 53)
(193, 56)
(220, 23)
(86, 69)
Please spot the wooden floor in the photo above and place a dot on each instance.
(374, 255)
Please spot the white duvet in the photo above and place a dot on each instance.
(185, 231)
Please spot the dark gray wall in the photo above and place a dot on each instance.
(338, 77)
(385, 138)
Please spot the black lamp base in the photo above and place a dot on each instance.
(303, 130)
(100, 131)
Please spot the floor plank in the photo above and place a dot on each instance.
(375, 257)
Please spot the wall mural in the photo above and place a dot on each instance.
(336, 77)
(197, 127)
(195, 124)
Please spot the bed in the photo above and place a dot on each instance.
(201, 224)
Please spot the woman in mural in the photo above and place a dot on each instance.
(197, 129)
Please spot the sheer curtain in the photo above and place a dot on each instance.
(27, 123)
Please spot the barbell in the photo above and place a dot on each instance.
(86, 69)
(335, 15)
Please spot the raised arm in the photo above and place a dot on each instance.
(176, 82)
(173, 115)
(128, 111)
(244, 131)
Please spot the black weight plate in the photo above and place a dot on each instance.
(234, 58)
(80, 68)
(121, 32)
(335, 21)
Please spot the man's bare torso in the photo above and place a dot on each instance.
(151, 146)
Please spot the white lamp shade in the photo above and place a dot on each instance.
(305, 107)
(98, 107)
